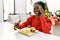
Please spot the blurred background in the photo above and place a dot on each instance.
(14, 10)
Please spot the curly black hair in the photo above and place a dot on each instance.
(41, 3)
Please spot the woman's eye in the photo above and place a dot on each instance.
(34, 8)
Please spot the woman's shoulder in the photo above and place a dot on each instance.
(32, 16)
(44, 17)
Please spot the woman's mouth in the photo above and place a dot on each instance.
(36, 12)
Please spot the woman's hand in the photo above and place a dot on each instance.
(16, 26)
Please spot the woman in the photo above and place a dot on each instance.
(39, 21)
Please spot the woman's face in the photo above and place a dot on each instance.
(38, 10)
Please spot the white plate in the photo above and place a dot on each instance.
(27, 29)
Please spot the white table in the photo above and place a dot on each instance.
(8, 33)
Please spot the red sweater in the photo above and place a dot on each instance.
(42, 23)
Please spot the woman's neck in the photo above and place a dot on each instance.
(38, 16)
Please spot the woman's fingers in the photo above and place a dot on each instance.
(16, 26)
(19, 22)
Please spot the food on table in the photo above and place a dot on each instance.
(32, 29)
(26, 31)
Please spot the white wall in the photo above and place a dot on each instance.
(53, 5)
(1, 11)
(8, 8)
(20, 6)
